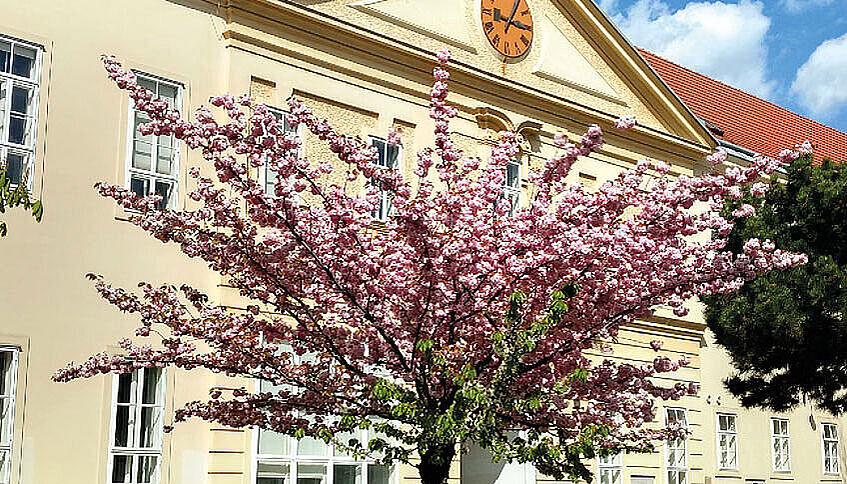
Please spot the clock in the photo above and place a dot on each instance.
(508, 26)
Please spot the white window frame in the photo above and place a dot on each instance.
(6, 449)
(386, 208)
(328, 460)
(281, 115)
(136, 451)
(509, 191)
(728, 433)
(608, 466)
(152, 175)
(830, 443)
(34, 83)
(672, 467)
(786, 437)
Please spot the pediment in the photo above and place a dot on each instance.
(577, 54)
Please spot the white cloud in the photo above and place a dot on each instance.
(795, 6)
(610, 6)
(725, 41)
(819, 84)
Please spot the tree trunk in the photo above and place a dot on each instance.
(435, 464)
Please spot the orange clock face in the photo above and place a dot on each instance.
(508, 26)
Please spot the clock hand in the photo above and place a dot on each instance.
(512, 15)
(519, 25)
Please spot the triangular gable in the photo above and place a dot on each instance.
(579, 65)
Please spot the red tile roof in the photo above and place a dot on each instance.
(744, 119)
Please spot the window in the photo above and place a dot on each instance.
(8, 377)
(642, 480)
(610, 469)
(727, 442)
(270, 178)
(389, 159)
(281, 459)
(780, 445)
(135, 449)
(153, 161)
(512, 185)
(675, 451)
(20, 73)
(829, 432)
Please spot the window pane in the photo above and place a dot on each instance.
(5, 56)
(347, 474)
(380, 148)
(513, 175)
(147, 84)
(393, 154)
(311, 446)
(273, 473)
(311, 474)
(142, 155)
(4, 90)
(165, 160)
(164, 189)
(122, 468)
(123, 426)
(147, 467)
(5, 420)
(150, 389)
(140, 186)
(168, 94)
(15, 163)
(274, 443)
(125, 393)
(151, 423)
(5, 373)
(23, 61)
(345, 438)
(5, 466)
(21, 100)
(378, 474)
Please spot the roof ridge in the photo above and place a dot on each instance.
(738, 90)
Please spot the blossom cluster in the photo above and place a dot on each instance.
(339, 307)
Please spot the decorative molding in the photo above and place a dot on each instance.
(447, 26)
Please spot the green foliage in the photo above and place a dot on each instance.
(786, 331)
(16, 197)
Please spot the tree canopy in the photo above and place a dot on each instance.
(462, 319)
(785, 331)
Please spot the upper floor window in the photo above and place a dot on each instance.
(512, 185)
(727, 441)
(676, 458)
(20, 75)
(135, 447)
(829, 432)
(389, 159)
(610, 469)
(8, 377)
(780, 445)
(153, 161)
(268, 177)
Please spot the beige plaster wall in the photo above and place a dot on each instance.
(53, 313)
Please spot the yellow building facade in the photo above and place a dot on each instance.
(365, 65)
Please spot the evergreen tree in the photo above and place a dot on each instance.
(785, 331)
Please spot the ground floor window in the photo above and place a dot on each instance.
(676, 455)
(8, 374)
(610, 469)
(285, 460)
(135, 450)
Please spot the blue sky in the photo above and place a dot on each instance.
(790, 52)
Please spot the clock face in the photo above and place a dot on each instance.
(508, 26)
